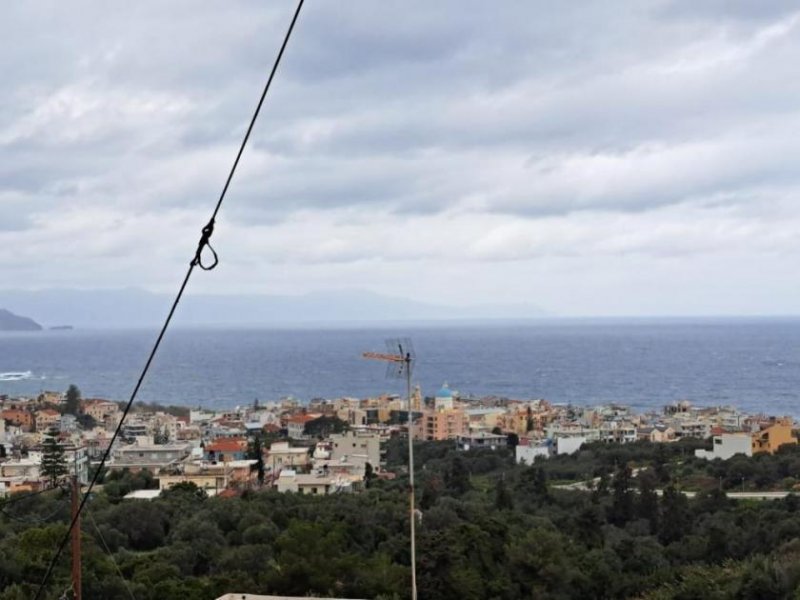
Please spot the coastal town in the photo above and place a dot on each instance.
(328, 446)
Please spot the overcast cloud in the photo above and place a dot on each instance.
(588, 157)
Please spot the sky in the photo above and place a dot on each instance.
(589, 158)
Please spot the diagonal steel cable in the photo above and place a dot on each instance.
(197, 261)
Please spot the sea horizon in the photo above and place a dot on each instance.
(752, 363)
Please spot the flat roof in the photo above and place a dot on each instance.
(142, 495)
(260, 597)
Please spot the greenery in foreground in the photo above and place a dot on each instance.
(489, 529)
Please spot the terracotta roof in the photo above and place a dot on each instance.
(47, 411)
(227, 445)
(300, 418)
(14, 411)
(93, 401)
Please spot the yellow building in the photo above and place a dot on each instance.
(524, 418)
(773, 436)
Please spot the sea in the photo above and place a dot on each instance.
(753, 364)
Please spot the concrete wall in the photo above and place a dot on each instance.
(726, 446)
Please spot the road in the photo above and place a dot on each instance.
(586, 486)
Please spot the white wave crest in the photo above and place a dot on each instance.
(16, 375)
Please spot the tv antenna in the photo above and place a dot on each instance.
(401, 358)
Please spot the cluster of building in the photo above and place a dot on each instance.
(328, 446)
(215, 450)
(730, 430)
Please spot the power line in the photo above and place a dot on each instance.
(31, 520)
(197, 261)
(110, 554)
(15, 498)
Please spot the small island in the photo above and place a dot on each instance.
(11, 322)
(61, 328)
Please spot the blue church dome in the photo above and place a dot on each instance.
(444, 392)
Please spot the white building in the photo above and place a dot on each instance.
(692, 428)
(148, 456)
(528, 453)
(728, 445)
(482, 439)
(200, 416)
(282, 454)
(569, 445)
(618, 432)
(561, 430)
(357, 447)
(315, 483)
(16, 473)
(443, 399)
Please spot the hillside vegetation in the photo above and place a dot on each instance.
(489, 529)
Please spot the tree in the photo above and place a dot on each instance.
(325, 426)
(502, 497)
(540, 488)
(675, 520)
(86, 421)
(54, 463)
(647, 505)
(456, 479)
(72, 401)
(622, 498)
(431, 490)
(660, 464)
(512, 441)
(529, 420)
(369, 474)
(256, 452)
(161, 436)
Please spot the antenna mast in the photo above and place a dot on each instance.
(76, 538)
(400, 356)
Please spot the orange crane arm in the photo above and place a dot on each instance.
(387, 357)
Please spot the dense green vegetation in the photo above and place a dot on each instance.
(489, 529)
(676, 462)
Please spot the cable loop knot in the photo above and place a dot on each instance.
(197, 261)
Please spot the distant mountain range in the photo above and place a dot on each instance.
(11, 322)
(139, 308)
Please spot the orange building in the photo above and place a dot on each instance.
(522, 418)
(46, 418)
(773, 436)
(226, 449)
(442, 424)
(20, 418)
(99, 409)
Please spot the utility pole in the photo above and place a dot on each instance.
(76, 540)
